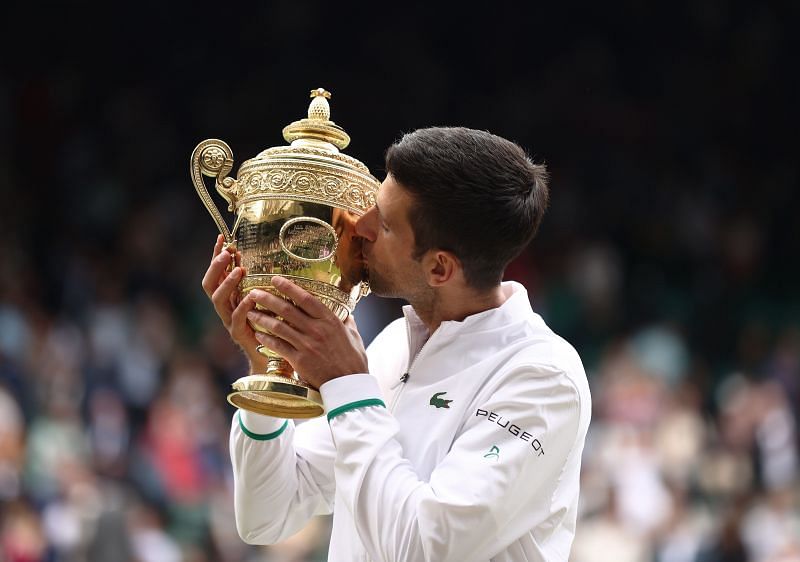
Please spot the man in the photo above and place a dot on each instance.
(457, 435)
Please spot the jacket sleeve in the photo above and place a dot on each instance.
(483, 494)
(282, 474)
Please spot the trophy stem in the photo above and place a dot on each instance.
(281, 368)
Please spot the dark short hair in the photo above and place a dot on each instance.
(475, 194)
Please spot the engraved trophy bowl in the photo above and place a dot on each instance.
(296, 207)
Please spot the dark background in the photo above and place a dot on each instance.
(670, 131)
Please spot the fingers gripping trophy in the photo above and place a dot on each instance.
(296, 207)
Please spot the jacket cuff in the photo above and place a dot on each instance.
(259, 427)
(347, 393)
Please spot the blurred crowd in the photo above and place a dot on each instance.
(673, 475)
(114, 428)
(669, 258)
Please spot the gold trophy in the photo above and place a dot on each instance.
(296, 207)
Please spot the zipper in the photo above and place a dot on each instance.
(407, 375)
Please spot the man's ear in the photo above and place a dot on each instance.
(441, 267)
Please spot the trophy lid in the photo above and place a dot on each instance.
(311, 168)
(318, 124)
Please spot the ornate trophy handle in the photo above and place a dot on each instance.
(214, 158)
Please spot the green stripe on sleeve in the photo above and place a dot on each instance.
(258, 436)
(353, 405)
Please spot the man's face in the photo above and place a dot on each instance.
(348, 258)
(389, 245)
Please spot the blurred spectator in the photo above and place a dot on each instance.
(12, 443)
(21, 535)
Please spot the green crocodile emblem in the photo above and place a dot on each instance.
(440, 402)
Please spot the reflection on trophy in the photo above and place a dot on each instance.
(296, 207)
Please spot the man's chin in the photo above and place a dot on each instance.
(378, 286)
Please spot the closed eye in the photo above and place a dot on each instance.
(384, 226)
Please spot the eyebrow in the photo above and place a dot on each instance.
(378, 209)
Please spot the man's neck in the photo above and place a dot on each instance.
(456, 305)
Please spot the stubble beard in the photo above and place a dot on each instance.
(380, 285)
(419, 295)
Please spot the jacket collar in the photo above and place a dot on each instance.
(516, 308)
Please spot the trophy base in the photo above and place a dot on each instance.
(277, 396)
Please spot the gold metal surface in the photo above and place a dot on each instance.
(275, 395)
(296, 208)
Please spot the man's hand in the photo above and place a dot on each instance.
(222, 287)
(319, 346)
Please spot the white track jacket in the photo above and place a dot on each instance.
(465, 447)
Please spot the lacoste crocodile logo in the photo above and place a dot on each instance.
(440, 402)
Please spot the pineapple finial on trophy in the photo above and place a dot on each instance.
(320, 109)
(317, 129)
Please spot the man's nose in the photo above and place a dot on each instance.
(365, 226)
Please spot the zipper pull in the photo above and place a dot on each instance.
(397, 383)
